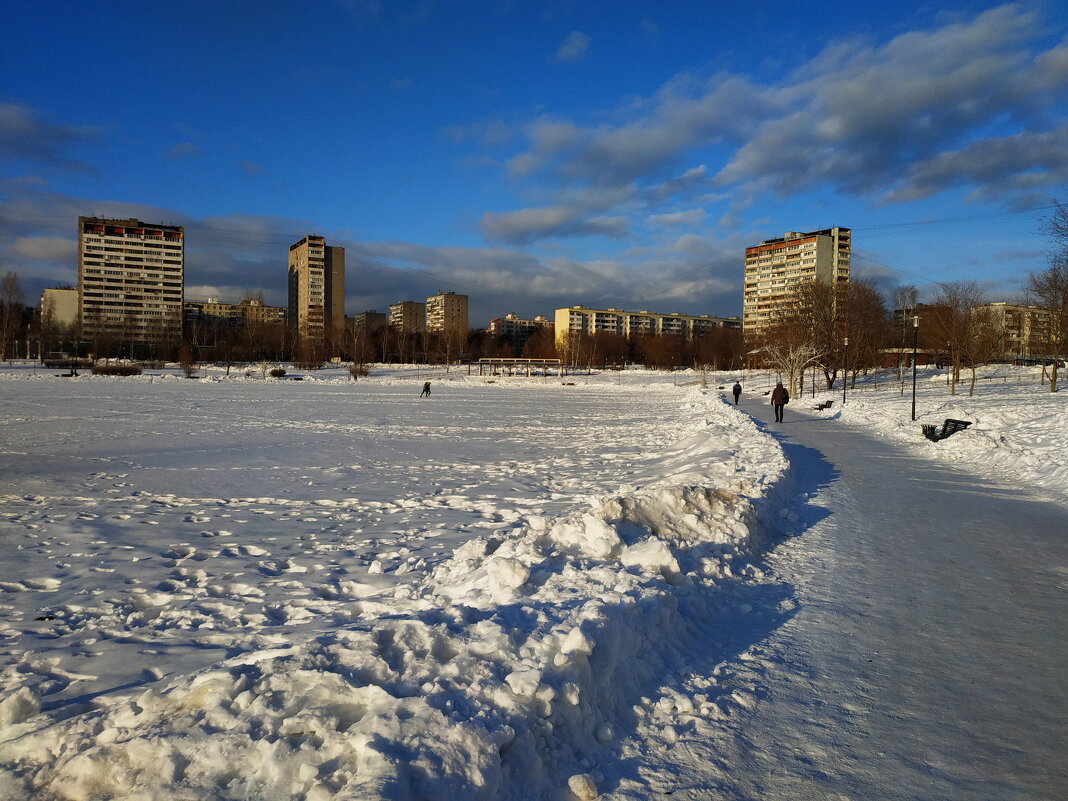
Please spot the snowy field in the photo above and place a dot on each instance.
(246, 589)
(327, 589)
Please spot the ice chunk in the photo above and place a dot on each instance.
(524, 682)
(582, 786)
(508, 574)
(651, 555)
(18, 707)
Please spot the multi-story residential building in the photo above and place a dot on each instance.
(1024, 329)
(246, 311)
(317, 290)
(775, 267)
(408, 316)
(446, 311)
(517, 331)
(60, 304)
(131, 278)
(583, 320)
(371, 320)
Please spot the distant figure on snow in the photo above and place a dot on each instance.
(779, 398)
(737, 391)
(426, 390)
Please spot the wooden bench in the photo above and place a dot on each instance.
(825, 405)
(949, 427)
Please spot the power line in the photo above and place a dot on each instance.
(891, 227)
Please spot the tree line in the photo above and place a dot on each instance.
(830, 332)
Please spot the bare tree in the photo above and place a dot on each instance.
(905, 301)
(804, 331)
(11, 307)
(983, 340)
(869, 325)
(49, 331)
(448, 343)
(954, 319)
(814, 309)
(1049, 291)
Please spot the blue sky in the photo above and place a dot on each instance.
(536, 155)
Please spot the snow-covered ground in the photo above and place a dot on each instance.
(1018, 432)
(317, 589)
(247, 589)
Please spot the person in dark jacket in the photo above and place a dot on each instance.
(426, 390)
(779, 398)
(737, 391)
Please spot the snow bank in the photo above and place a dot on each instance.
(508, 672)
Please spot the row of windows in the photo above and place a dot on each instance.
(92, 243)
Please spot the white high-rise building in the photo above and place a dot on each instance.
(775, 267)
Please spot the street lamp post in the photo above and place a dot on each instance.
(845, 366)
(915, 337)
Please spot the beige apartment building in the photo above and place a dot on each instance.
(408, 316)
(131, 278)
(516, 331)
(246, 311)
(446, 311)
(775, 267)
(1024, 329)
(583, 320)
(60, 305)
(317, 290)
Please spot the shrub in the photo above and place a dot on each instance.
(277, 372)
(116, 369)
(187, 361)
(358, 371)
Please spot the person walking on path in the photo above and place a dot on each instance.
(779, 398)
(426, 390)
(737, 391)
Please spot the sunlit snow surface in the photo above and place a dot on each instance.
(317, 589)
(238, 588)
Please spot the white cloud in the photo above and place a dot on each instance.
(1025, 162)
(676, 218)
(863, 118)
(575, 45)
(45, 248)
(527, 225)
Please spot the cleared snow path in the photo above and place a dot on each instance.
(928, 657)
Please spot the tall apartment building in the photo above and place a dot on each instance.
(317, 290)
(583, 320)
(446, 311)
(775, 267)
(131, 278)
(408, 316)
